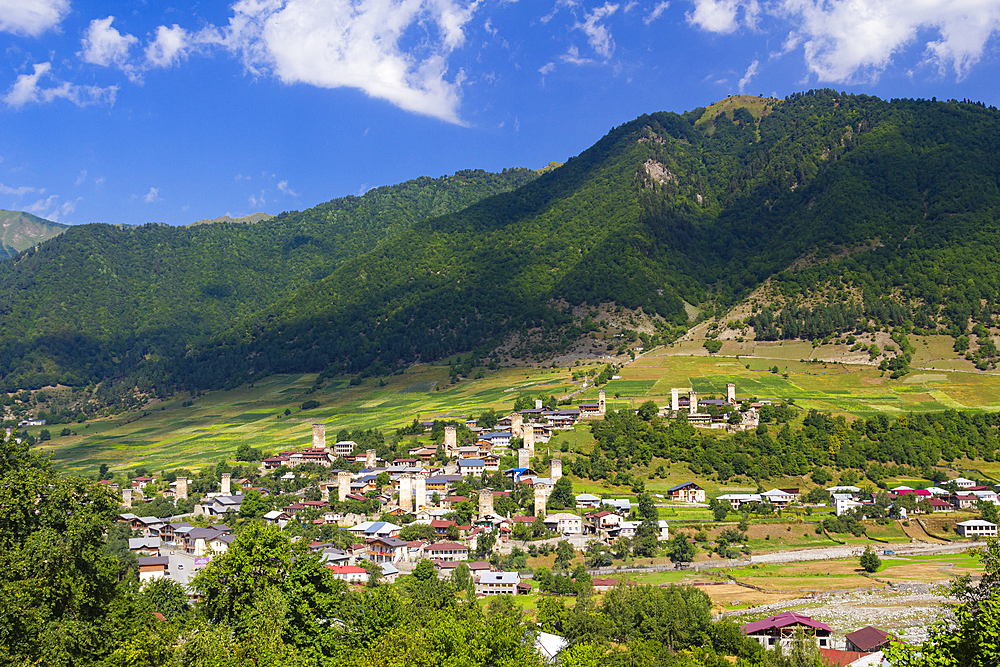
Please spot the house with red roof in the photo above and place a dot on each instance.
(868, 640)
(349, 573)
(781, 629)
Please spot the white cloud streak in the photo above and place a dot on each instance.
(170, 46)
(50, 208)
(851, 41)
(152, 196)
(17, 192)
(283, 186)
(750, 74)
(598, 35)
(32, 17)
(656, 12)
(26, 90)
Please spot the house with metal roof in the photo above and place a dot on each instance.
(867, 640)
(688, 492)
(781, 629)
(498, 583)
(976, 528)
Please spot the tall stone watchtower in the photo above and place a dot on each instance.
(343, 485)
(731, 393)
(319, 436)
(675, 400)
(406, 492)
(693, 398)
(127, 498)
(541, 497)
(450, 440)
(602, 405)
(555, 470)
(182, 488)
(523, 458)
(516, 420)
(528, 435)
(227, 484)
(370, 459)
(485, 502)
(419, 492)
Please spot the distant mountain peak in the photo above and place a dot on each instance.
(244, 220)
(20, 231)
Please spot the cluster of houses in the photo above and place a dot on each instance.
(862, 648)
(711, 413)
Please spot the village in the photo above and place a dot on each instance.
(465, 524)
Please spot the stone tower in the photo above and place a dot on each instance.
(731, 393)
(450, 440)
(343, 485)
(485, 502)
(523, 458)
(406, 492)
(538, 404)
(516, 420)
(182, 488)
(528, 435)
(602, 406)
(227, 484)
(419, 492)
(127, 498)
(693, 398)
(675, 400)
(555, 470)
(319, 436)
(370, 459)
(541, 497)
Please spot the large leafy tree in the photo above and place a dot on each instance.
(60, 599)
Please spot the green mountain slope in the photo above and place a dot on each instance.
(100, 300)
(20, 231)
(860, 213)
(664, 209)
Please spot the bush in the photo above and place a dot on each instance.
(870, 560)
(309, 405)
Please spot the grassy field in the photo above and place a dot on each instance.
(169, 434)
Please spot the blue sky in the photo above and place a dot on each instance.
(136, 112)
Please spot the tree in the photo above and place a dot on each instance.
(484, 544)
(720, 508)
(648, 410)
(680, 550)
(461, 576)
(166, 596)
(521, 532)
(254, 506)
(418, 531)
(247, 453)
(562, 494)
(564, 554)
(988, 511)
(870, 560)
(424, 570)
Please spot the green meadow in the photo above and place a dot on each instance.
(170, 434)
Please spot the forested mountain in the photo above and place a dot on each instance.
(664, 209)
(861, 211)
(19, 231)
(99, 300)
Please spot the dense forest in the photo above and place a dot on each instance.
(873, 448)
(99, 300)
(862, 213)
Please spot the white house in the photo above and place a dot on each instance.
(588, 501)
(963, 483)
(738, 500)
(153, 567)
(987, 496)
(976, 528)
(474, 467)
(565, 523)
(844, 503)
(779, 498)
(352, 574)
(853, 490)
(498, 583)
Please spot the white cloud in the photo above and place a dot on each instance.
(170, 46)
(50, 208)
(283, 186)
(546, 68)
(81, 178)
(598, 35)
(99, 181)
(341, 43)
(721, 15)
(31, 17)
(257, 201)
(848, 41)
(656, 13)
(27, 89)
(750, 74)
(152, 196)
(572, 56)
(105, 46)
(17, 192)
